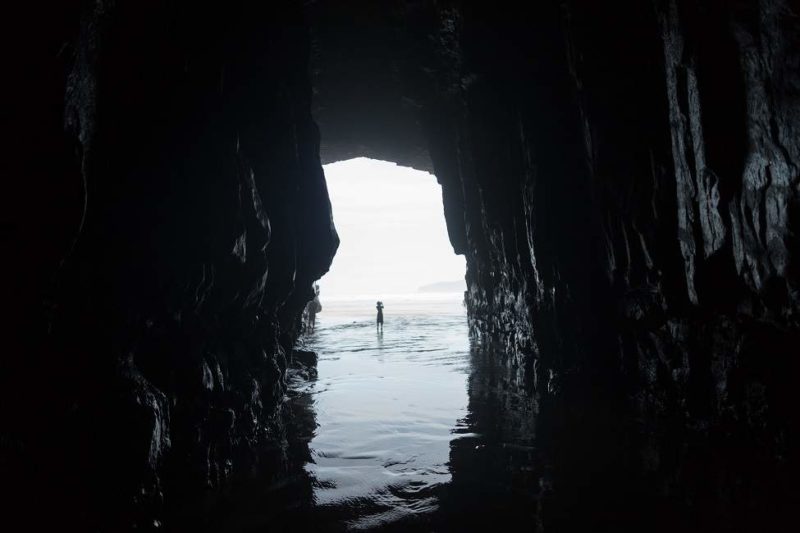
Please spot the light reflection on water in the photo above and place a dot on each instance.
(408, 431)
(418, 430)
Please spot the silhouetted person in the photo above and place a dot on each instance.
(379, 307)
(313, 307)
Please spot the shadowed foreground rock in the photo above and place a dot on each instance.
(622, 178)
(173, 153)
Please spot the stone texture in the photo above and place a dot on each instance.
(622, 178)
(629, 182)
(152, 376)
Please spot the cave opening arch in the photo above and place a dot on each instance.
(393, 236)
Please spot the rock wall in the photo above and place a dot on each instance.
(173, 212)
(623, 180)
(370, 81)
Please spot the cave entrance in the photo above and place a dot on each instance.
(386, 403)
(394, 244)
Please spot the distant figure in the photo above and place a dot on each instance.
(312, 308)
(379, 307)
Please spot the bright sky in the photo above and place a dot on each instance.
(391, 224)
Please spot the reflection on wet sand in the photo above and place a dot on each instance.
(417, 429)
(496, 471)
(385, 404)
(413, 429)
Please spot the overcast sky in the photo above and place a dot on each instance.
(391, 223)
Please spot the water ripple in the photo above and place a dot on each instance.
(386, 408)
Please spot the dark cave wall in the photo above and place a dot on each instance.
(621, 176)
(622, 179)
(370, 68)
(167, 165)
(624, 183)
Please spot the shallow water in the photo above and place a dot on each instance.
(419, 430)
(407, 427)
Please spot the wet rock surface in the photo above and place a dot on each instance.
(622, 178)
(155, 324)
(628, 197)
